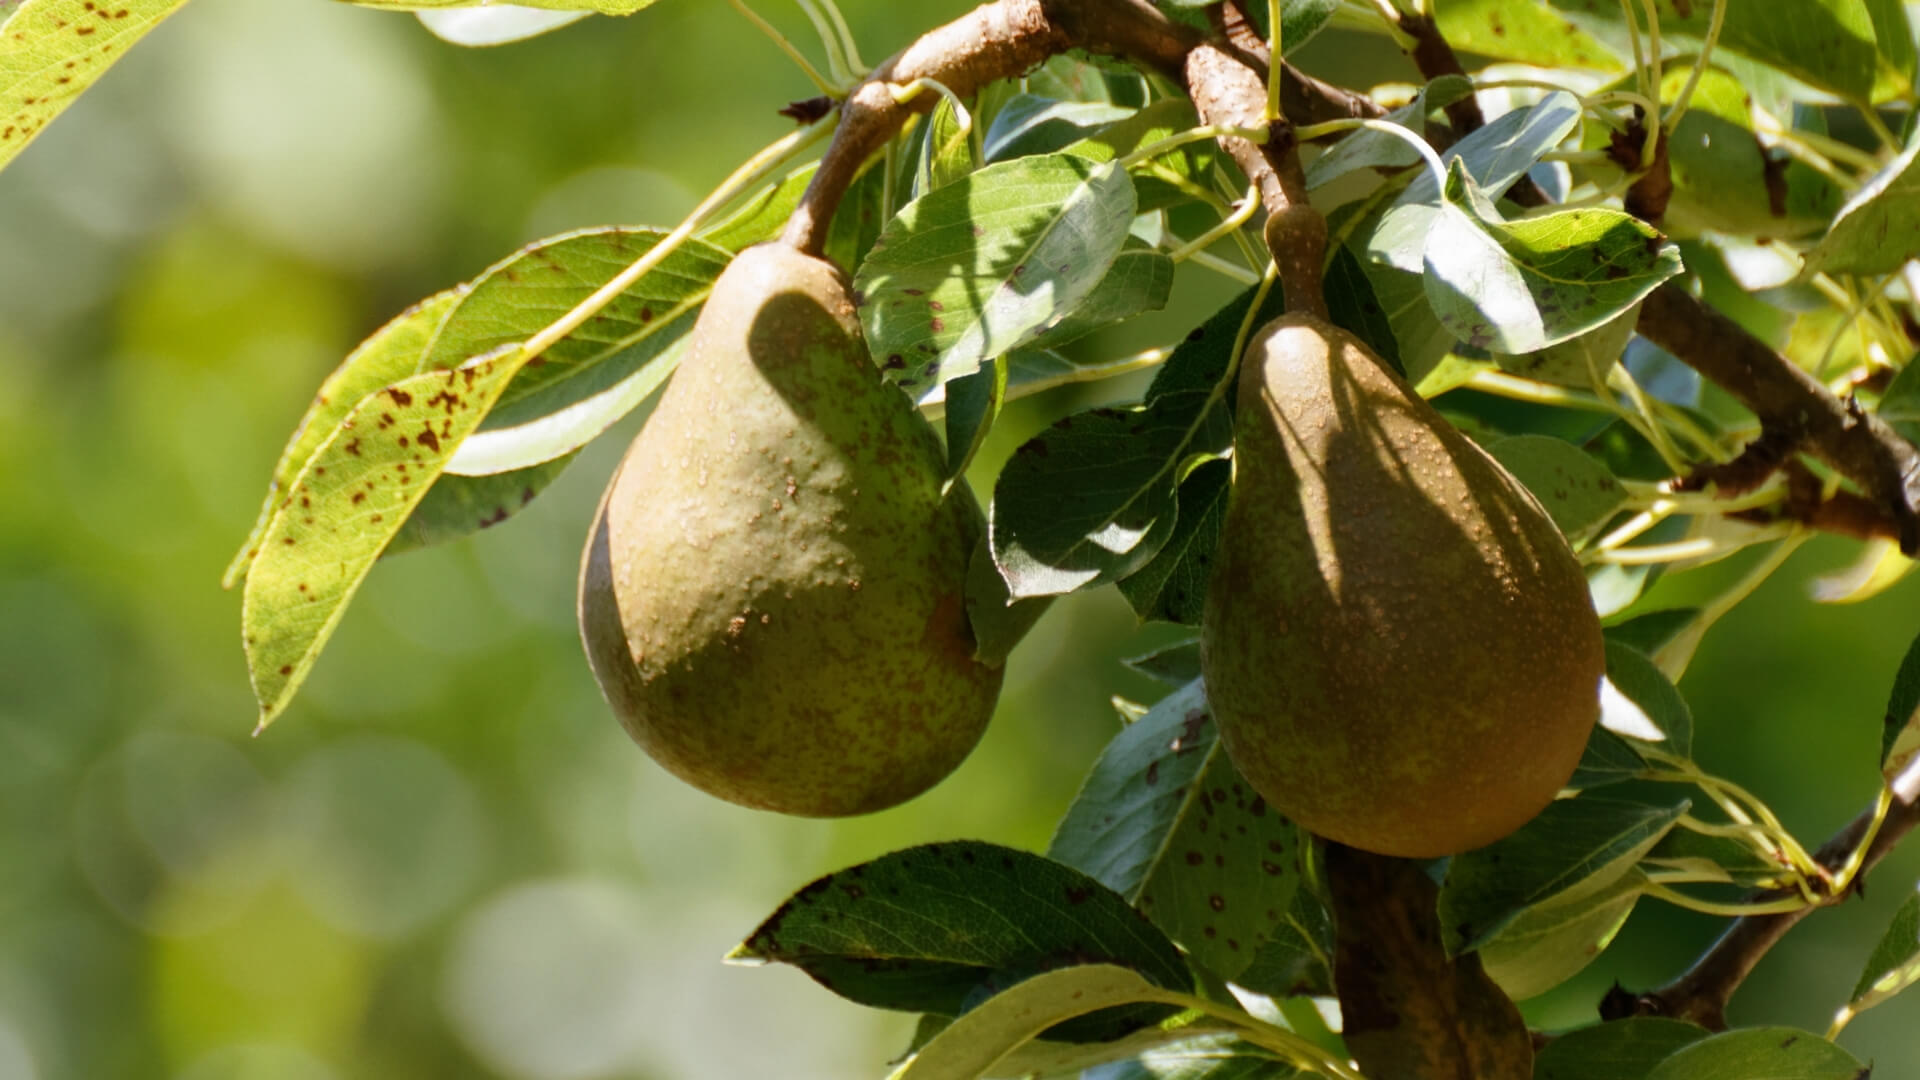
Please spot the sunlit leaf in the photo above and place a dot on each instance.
(1642, 703)
(603, 7)
(1549, 943)
(1520, 286)
(1879, 227)
(1210, 1057)
(51, 51)
(499, 25)
(343, 507)
(989, 263)
(1030, 124)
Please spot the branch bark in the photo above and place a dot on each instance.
(1793, 407)
(999, 40)
(1701, 994)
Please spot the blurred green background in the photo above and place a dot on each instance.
(447, 860)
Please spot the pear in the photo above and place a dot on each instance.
(1398, 643)
(772, 597)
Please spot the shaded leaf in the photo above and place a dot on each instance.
(985, 1034)
(1577, 491)
(1368, 149)
(1608, 759)
(1138, 282)
(1581, 361)
(1163, 180)
(1646, 633)
(1173, 586)
(938, 928)
(1210, 1057)
(1900, 730)
(1620, 1050)
(999, 621)
(989, 263)
(1164, 820)
(1575, 848)
(973, 404)
(1549, 943)
(52, 51)
(1644, 704)
(1776, 1053)
(1030, 124)
(943, 151)
(1894, 964)
(604, 7)
(1175, 665)
(1044, 1057)
(1410, 1008)
(763, 214)
(1519, 286)
(1730, 859)
(1298, 956)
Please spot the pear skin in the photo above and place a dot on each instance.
(1398, 643)
(772, 597)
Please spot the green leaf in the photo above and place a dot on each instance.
(999, 621)
(1173, 585)
(588, 380)
(1894, 965)
(1607, 759)
(1830, 44)
(1646, 633)
(1520, 286)
(1621, 1050)
(1646, 706)
(1369, 149)
(1879, 227)
(1775, 1053)
(459, 506)
(1494, 156)
(392, 353)
(973, 404)
(944, 150)
(1166, 179)
(1210, 1057)
(1165, 821)
(939, 927)
(1900, 405)
(1580, 361)
(987, 1033)
(1138, 281)
(604, 7)
(1549, 943)
(1578, 492)
(1576, 848)
(51, 51)
(1298, 956)
(1900, 730)
(1176, 665)
(345, 505)
(763, 214)
(1044, 1057)
(485, 27)
(1528, 32)
(1724, 857)
(1029, 124)
(989, 263)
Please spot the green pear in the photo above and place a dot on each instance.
(772, 597)
(1398, 643)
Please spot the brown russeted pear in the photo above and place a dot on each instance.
(1398, 643)
(772, 597)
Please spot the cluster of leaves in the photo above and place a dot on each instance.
(1177, 927)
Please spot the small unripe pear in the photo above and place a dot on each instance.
(773, 594)
(1398, 643)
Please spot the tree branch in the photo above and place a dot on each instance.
(1793, 407)
(999, 40)
(1701, 994)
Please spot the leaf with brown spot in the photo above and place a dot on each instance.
(309, 567)
(941, 927)
(1166, 821)
(53, 50)
(1410, 1009)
